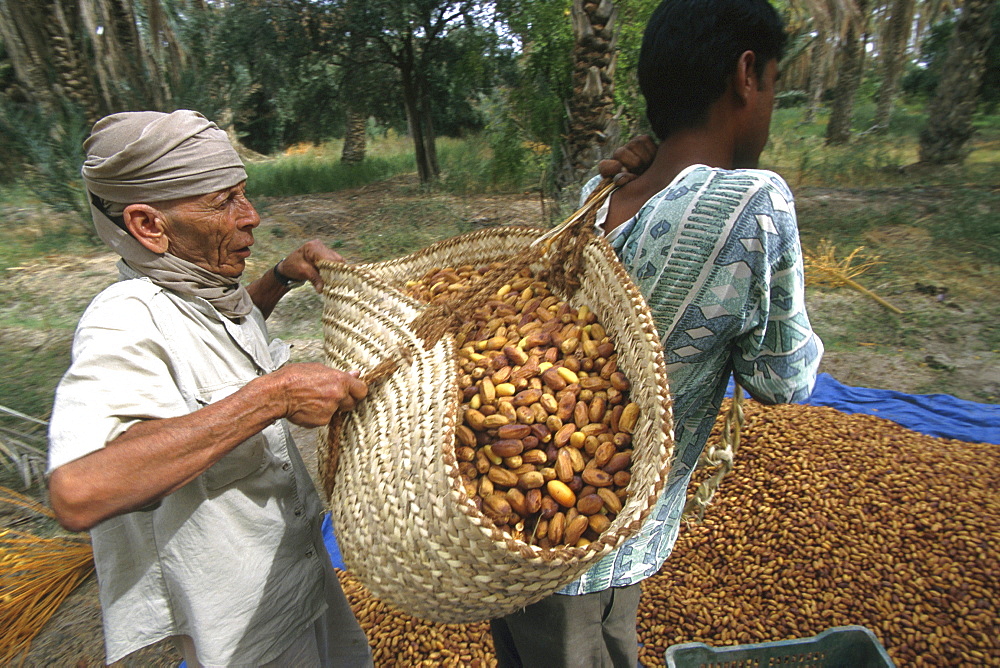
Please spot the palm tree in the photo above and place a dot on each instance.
(850, 63)
(102, 55)
(590, 109)
(895, 36)
(949, 118)
(828, 23)
(40, 38)
(355, 137)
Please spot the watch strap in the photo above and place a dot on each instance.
(289, 283)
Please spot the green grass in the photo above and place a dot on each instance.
(298, 175)
(30, 229)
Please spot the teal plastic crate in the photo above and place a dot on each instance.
(838, 647)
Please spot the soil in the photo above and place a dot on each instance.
(960, 365)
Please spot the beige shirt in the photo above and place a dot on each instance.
(234, 558)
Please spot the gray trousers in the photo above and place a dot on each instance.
(590, 631)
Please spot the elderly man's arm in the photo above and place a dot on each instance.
(301, 265)
(156, 457)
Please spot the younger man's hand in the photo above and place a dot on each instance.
(629, 161)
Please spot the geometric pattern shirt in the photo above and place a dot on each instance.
(716, 255)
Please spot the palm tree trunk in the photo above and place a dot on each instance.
(851, 64)
(23, 33)
(949, 118)
(116, 60)
(42, 41)
(591, 107)
(355, 138)
(818, 68)
(895, 39)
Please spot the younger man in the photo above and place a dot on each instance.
(712, 243)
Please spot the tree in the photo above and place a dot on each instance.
(949, 118)
(409, 35)
(355, 116)
(892, 55)
(46, 54)
(590, 108)
(102, 55)
(850, 65)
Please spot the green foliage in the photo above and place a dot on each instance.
(501, 159)
(473, 62)
(29, 229)
(46, 146)
(799, 153)
(921, 79)
(791, 98)
(633, 16)
(29, 373)
(968, 224)
(538, 97)
(270, 65)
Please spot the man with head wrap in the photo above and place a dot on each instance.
(169, 439)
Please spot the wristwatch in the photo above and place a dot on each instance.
(289, 283)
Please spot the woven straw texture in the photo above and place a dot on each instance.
(404, 523)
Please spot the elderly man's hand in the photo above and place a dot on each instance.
(629, 161)
(313, 392)
(301, 264)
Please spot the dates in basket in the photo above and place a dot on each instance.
(544, 446)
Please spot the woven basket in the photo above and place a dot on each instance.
(404, 524)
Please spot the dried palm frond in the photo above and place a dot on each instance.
(823, 268)
(23, 451)
(36, 576)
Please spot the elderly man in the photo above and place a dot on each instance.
(169, 439)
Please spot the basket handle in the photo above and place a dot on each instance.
(721, 457)
(594, 202)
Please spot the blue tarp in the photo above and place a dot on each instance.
(940, 415)
(331, 543)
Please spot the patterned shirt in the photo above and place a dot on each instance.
(716, 254)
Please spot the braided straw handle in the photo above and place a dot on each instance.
(594, 202)
(720, 456)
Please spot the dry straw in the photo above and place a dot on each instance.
(404, 524)
(823, 268)
(36, 576)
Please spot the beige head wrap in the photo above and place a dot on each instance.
(150, 156)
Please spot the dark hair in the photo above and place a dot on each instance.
(691, 47)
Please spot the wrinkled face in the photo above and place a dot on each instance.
(213, 231)
(755, 136)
